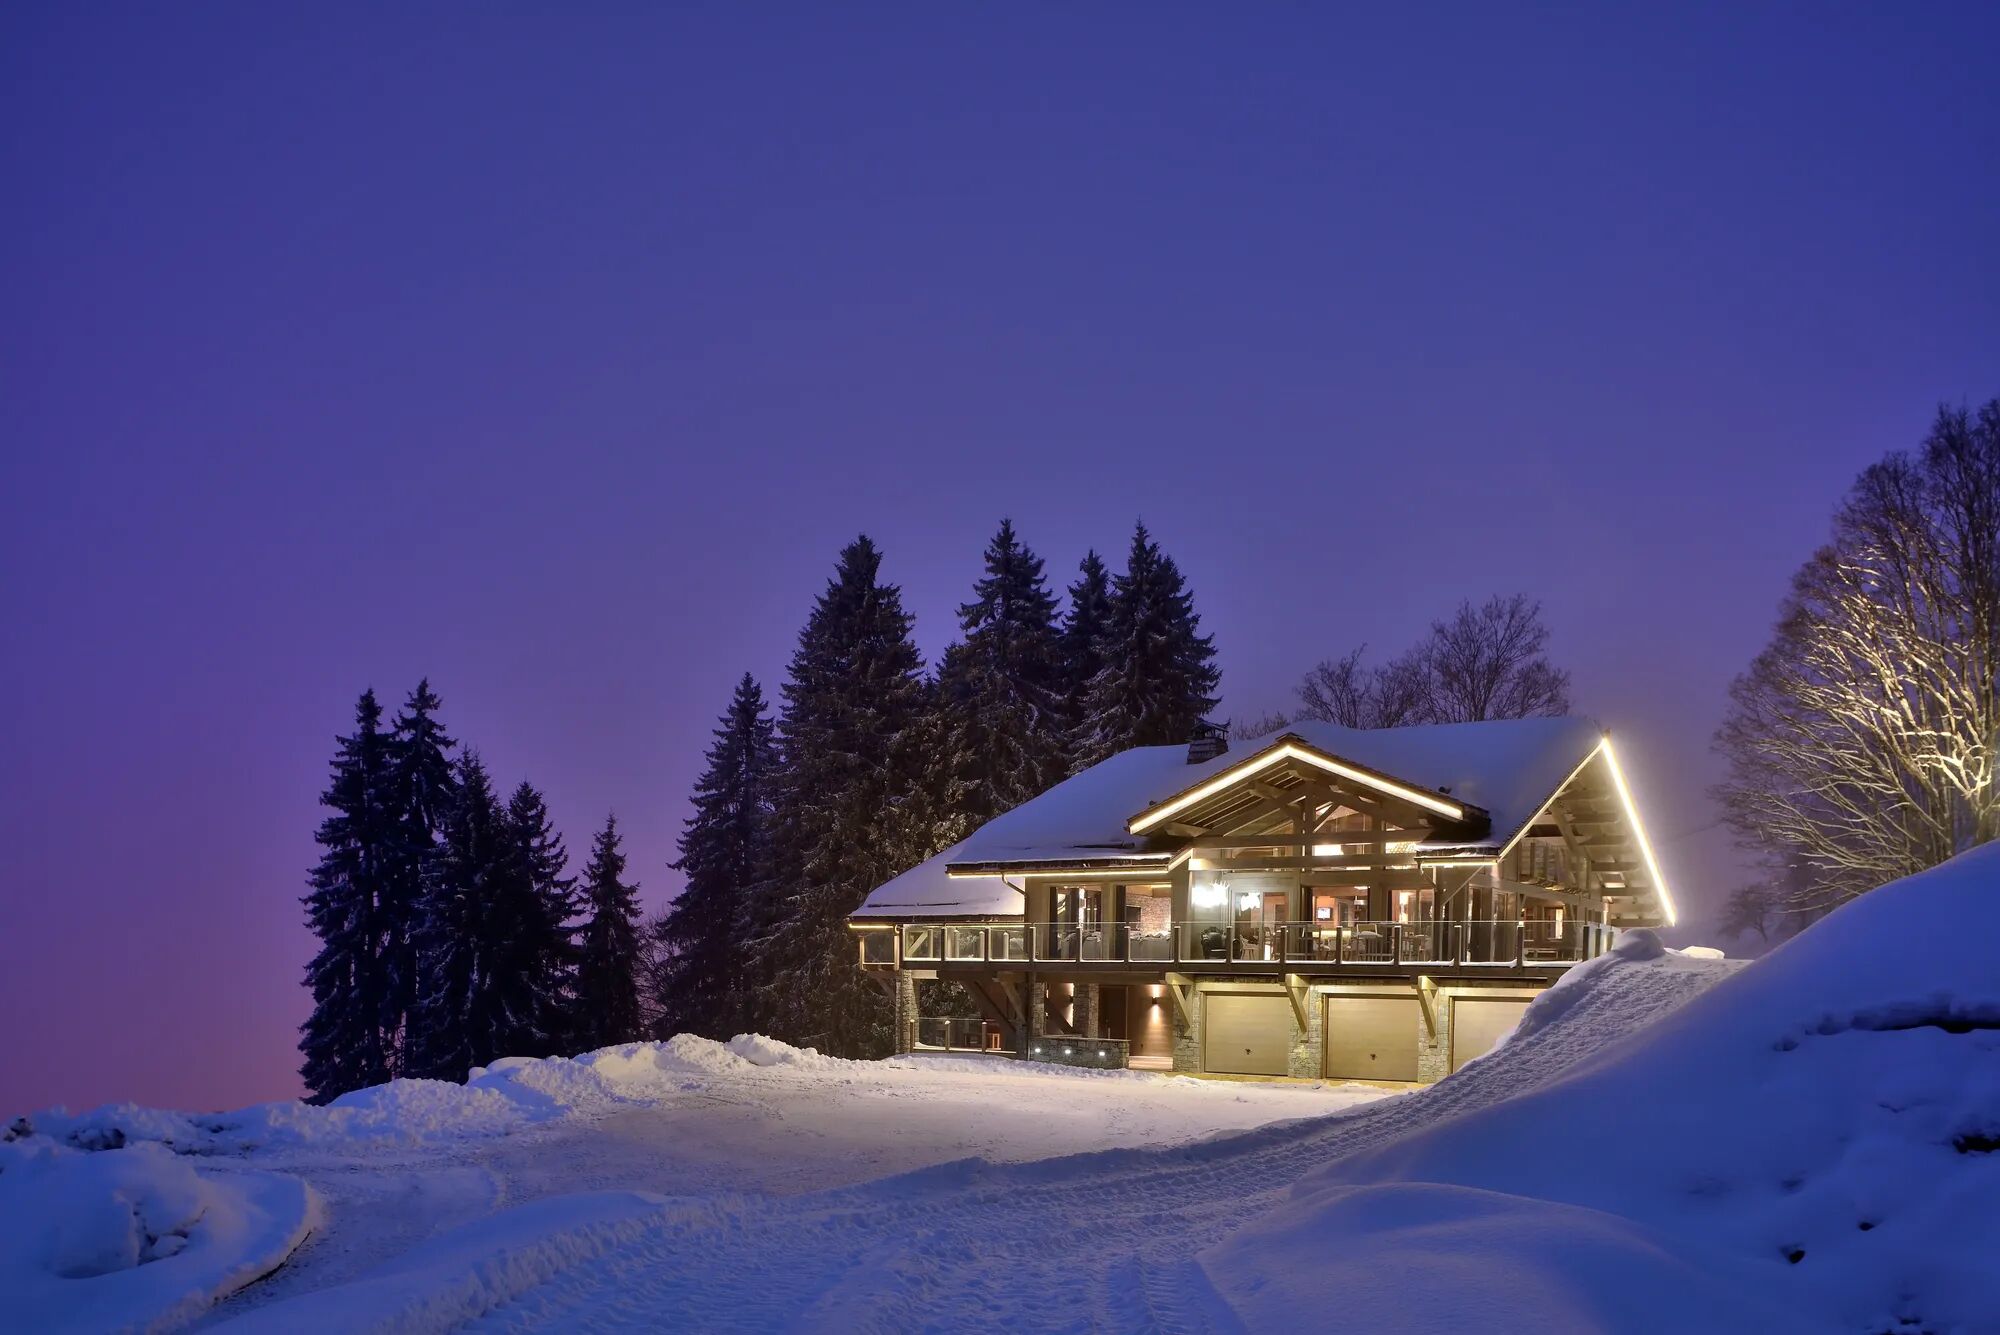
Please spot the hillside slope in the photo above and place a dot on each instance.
(1809, 1145)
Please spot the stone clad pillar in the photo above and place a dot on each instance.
(1086, 1010)
(906, 1012)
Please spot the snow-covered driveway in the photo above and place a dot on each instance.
(1105, 1240)
(720, 1125)
(393, 1167)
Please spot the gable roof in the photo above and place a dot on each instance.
(1503, 770)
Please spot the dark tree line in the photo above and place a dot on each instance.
(871, 765)
(450, 931)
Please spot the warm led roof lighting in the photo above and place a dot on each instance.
(1639, 834)
(1146, 820)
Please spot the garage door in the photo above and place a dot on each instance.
(1371, 1038)
(1477, 1024)
(1245, 1035)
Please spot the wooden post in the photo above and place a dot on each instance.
(1520, 943)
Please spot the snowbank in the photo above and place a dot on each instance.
(1813, 1144)
(510, 1095)
(134, 1236)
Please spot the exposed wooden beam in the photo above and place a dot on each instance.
(1181, 988)
(1345, 838)
(1427, 999)
(1572, 897)
(1295, 862)
(990, 1004)
(1297, 989)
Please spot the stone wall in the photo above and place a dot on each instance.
(905, 1018)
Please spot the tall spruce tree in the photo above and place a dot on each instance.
(607, 971)
(1158, 674)
(492, 941)
(541, 959)
(851, 807)
(422, 790)
(1001, 689)
(1083, 629)
(343, 1041)
(703, 937)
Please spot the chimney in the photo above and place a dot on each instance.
(1208, 742)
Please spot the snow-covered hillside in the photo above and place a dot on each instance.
(1667, 1142)
(1814, 1144)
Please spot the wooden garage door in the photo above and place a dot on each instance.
(1370, 1038)
(1478, 1022)
(1246, 1035)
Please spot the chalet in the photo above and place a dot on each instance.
(1324, 901)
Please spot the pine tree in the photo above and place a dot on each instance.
(1001, 689)
(343, 1040)
(540, 954)
(1083, 632)
(422, 791)
(850, 808)
(607, 972)
(460, 932)
(724, 850)
(1158, 676)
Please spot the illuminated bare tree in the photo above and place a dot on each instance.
(1860, 743)
(1485, 662)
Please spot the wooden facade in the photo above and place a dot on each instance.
(1285, 876)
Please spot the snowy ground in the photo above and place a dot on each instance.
(1807, 1143)
(385, 1170)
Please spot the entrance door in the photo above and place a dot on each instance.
(1111, 1011)
(1146, 1023)
(1246, 1035)
(1370, 1038)
(1477, 1023)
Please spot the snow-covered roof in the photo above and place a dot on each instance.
(927, 891)
(1506, 769)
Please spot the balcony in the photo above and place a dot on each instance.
(1294, 946)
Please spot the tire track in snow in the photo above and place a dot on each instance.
(1100, 1241)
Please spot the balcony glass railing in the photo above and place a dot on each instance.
(1504, 941)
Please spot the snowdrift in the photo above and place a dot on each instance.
(135, 1236)
(1813, 1144)
(510, 1095)
(131, 1217)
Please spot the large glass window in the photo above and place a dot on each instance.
(1149, 921)
(1339, 906)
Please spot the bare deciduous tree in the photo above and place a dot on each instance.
(1485, 662)
(1760, 908)
(1861, 741)
(1257, 725)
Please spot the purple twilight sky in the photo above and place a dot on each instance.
(554, 352)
